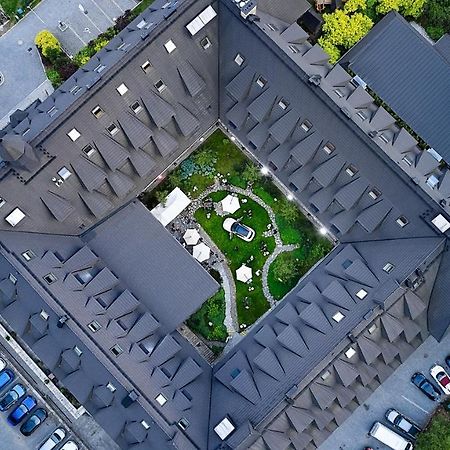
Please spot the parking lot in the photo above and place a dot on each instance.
(396, 392)
(25, 80)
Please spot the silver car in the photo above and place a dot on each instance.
(55, 438)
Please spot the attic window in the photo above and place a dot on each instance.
(170, 46)
(338, 316)
(183, 423)
(77, 350)
(351, 170)
(372, 328)
(402, 221)
(329, 148)
(283, 104)
(111, 387)
(261, 81)
(136, 107)
(97, 111)
(374, 193)
(122, 89)
(339, 93)
(88, 150)
(94, 326)
(116, 350)
(350, 352)
(161, 399)
(388, 267)
(100, 68)
(64, 173)
(50, 278)
(145, 424)
(306, 125)
(28, 255)
(239, 59)
(160, 85)
(146, 66)
(44, 314)
(74, 134)
(205, 43)
(112, 129)
(361, 294)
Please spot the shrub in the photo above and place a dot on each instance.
(285, 267)
(54, 77)
(251, 173)
(47, 43)
(409, 8)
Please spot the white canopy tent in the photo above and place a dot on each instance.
(244, 273)
(191, 236)
(175, 204)
(201, 252)
(230, 204)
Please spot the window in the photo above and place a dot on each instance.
(74, 134)
(100, 68)
(44, 314)
(94, 326)
(272, 27)
(325, 375)
(347, 263)
(160, 85)
(372, 328)
(50, 278)
(28, 255)
(170, 46)
(16, 216)
(75, 90)
(362, 115)
(136, 107)
(293, 48)
(52, 111)
(2, 202)
(261, 81)
(123, 46)
(306, 125)
(64, 173)
(432, 181)
(283, 104)
(116, 350)
(388, 267)
(145, 424)
(26, 131)
(12, 278)
(205, 43)
(97, 111)
(350, 352)
(239, 59)
(146, 66)
(338, 316)
(339, 93)
(384, 138)
(407, 160)
(329, 148)
(161, 399)
(77, 350)
(402, 221)
(111, 387)
(112, 129)
(183, 423)
(351, 170)
(89, 150)
(361, 294)
(122, 89)
(374, 193)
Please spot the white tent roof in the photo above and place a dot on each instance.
(230, 204)
(191, 236)
(244, 273)
(201, 252)
(176, 202)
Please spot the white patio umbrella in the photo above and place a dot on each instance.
(230, 204)
(191, 236)
(244, 273)
(201, 252)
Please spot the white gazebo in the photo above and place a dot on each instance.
(201, 252)
(191, 236)
(230, 204)
(174, 205)
(244, 273)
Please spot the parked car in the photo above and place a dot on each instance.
(389, 437)
(2, 364)
(421, 381)
(441, 377)
(33, 422)
(6, 376)
(20, 411)
(239, 229)
(69, 445)
(54, 439)
(403, 423)
(11, 397)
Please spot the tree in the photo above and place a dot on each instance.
(161, 197)
(54, 77)
(251, 173)
(351, 6)
(285, 267)
(333, 52)
(409, 8)
(47, 43)
(436, 17)
(288, 211)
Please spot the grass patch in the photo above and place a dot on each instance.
(212, 311)
(437, 434)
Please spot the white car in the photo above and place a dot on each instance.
(2, 364)
(55, 438)
(240, 230)
(441, 377)
(69, 445)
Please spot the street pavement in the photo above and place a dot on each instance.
(396, 392)
(25, 80)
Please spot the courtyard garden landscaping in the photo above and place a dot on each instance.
(285, 246)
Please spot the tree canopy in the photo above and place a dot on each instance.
(47, 43)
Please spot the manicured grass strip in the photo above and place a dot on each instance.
(437, 434)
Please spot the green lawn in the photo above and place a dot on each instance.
(437, 434)
(10, 6)
(239, 252)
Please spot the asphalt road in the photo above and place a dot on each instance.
(396, 392)
(25, 80)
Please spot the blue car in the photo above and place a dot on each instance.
(6, 376)
(11, 397)
(20, 411)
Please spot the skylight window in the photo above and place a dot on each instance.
(261, 81)
(44, 314)
(161, 399)
(293, 48)
(201, 20)
(136, 107)
(160, 86)
(94, 326)
(145, 424)
(239, 59)
(372, 328)
(111, 387)
(116, 350)
(15, 217)
(338, 316)
(122, 89)
(384, 138)
(402, 221)
(170, 46)
(325, 375)
(64, 173)
(339, 93)
(28, 255)
(97, 112)
(77, 350)
(183, 423)
(306, 125)
(283, 104)
(361, 294)
(89, 150)
(407, 160)
(374, 193)
(112, 129)
(224, 428)
(351, 170)
(50, 278)
(388, 267)
(350, 352)
(146, 66)
(329, 148)
(74, 134)
(441, 223)
(432, 181)
(362, 115)
(2, 202)
(205, 43)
